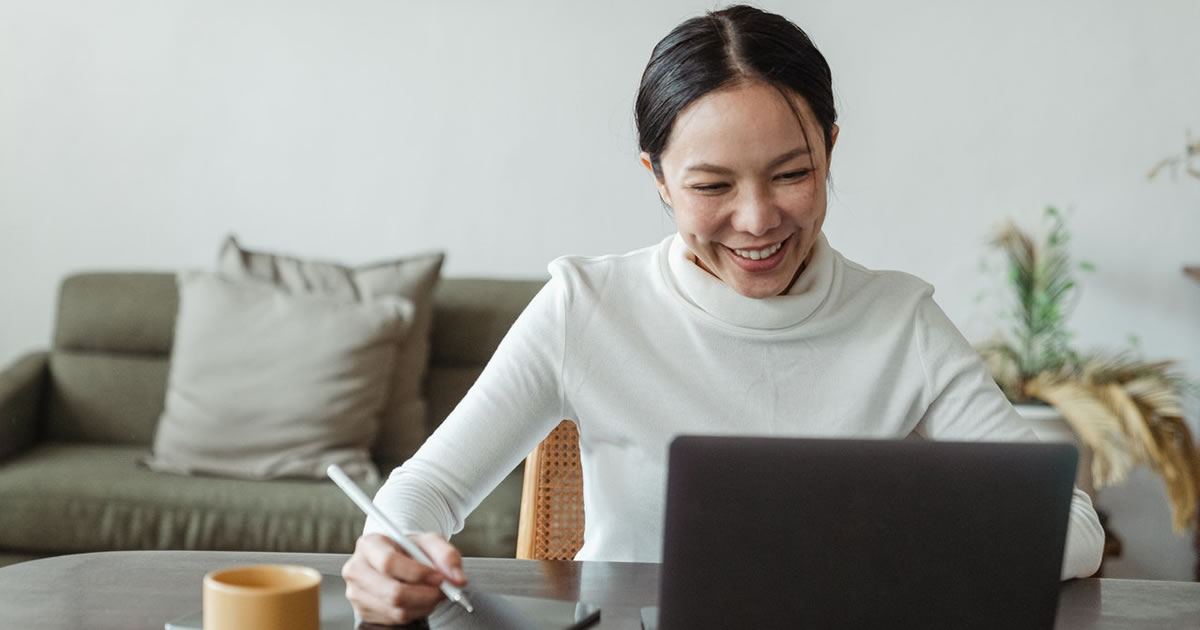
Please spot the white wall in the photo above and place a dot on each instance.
(135, 134)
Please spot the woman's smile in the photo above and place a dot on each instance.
(758, 259)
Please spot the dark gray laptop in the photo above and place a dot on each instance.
(811, 533)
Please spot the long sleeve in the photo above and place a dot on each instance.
(641, 347)
(966, 404)
(514, 404)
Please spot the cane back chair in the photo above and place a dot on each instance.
(550, 526)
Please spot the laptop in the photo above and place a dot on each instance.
(823, 533)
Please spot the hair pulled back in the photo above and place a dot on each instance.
(721, 49)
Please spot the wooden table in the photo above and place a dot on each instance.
(141, 590)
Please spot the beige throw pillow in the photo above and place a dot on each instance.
(403, 426)
(265, 384)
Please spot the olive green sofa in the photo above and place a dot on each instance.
(75, 420)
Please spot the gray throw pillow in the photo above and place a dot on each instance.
(266, 384)
(403, 427)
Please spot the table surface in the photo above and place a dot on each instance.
(136, 590)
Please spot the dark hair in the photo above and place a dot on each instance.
(721, 49)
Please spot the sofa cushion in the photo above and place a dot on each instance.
(71, 498)
(106, 397)
(75, 498)
(108, 366)
(474, 314)
(21, 386)
(7, 559)
(447, 386)
(402, 427)
(267, 384)
(125, 312)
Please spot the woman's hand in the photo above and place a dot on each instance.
(386, 586)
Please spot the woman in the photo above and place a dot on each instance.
(746, 321)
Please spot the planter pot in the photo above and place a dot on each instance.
(1050, 426)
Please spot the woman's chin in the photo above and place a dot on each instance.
(758, 287)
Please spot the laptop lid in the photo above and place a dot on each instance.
(821, 533)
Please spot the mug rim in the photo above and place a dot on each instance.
(308, 578)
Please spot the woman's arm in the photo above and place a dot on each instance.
(515, 403)
(966, 404)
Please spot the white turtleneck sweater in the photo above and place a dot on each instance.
(641, 347)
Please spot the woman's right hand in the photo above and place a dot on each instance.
(386, 586)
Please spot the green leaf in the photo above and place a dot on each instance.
(1086, 266)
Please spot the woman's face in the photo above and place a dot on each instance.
(746, 189)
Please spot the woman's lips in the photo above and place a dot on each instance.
(762, 264)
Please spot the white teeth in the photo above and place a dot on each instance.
(758, 254)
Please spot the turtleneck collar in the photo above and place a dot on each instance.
(718, 300)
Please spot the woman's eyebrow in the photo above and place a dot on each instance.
(794, 153)
(721, 170)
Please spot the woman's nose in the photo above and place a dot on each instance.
(756, 213)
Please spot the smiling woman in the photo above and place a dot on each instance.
(746, 321)
(736, 123)
(746, 190)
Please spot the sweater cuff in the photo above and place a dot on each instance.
(1085, 539)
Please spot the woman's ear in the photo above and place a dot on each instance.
(832, 141)
(663, 193)
(645, 158)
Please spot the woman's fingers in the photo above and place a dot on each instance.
(386, 557)
(385, 585)
(445, 556)
(396, 603)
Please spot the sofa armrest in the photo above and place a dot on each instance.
(21, 386)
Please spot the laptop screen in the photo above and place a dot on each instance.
(821, 533)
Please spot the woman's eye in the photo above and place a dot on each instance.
(792, 176)
(709, 187)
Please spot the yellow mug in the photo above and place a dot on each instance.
(262, 597)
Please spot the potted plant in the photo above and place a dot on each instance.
(1122, 410)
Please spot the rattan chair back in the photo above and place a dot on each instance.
(551, 519)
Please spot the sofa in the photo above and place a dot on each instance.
(76, 419)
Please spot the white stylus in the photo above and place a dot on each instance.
(453, 593)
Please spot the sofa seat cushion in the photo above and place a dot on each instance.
(7, 558)
(72, 498)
